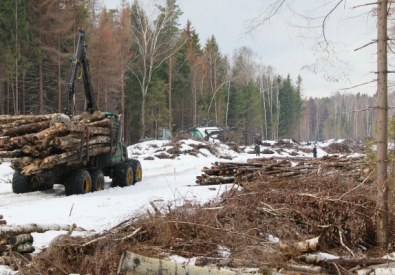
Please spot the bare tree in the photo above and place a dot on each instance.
(381, 125)
(152, 46)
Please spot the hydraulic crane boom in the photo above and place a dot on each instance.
(80, 60)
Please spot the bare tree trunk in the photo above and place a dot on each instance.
(16, 108)
(40, 89)
(59, 77)
(170, 76)
(142, 122)
(381, 124)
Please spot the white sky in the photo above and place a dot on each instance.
(281, 46)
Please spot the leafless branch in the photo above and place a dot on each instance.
(341, 241)
(374, 80)
(373, 42)
(326, 17)
(355, 111)
(261, 18)
(367, 4)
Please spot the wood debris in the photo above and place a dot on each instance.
(278, 168)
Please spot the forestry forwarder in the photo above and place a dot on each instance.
(87, 173)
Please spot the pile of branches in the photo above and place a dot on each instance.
(261, 226)
(277, 168)
(34, 144)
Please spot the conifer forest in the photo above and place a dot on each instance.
(158, 73)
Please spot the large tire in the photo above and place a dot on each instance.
(77, 182)
(137, 170)
(122, 174)
(97, 178)
(20, 183)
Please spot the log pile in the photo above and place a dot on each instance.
(34, 144)
(277, 168)
(19, 239)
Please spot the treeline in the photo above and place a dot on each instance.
(156, 73)
(343, 115)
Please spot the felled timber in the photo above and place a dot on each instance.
(35, 147)
(131, 263)
(347, 263)
(19, 239)
(25, 129)
(8, 231)
(305, 246)
(278, 168)
(22, 248)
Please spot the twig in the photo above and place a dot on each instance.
(357, 185)
(131, 235)
(52, 263)
(367, 4)
(337, 269)
(71, 209)
(155, 208)
(72, 227)
(355, 111)
(358, 85)
(345, 270)
(16, 262)
(216, 228)
(342, 243)
(94, 240)
(357, 49)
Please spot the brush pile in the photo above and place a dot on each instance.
(38, 143)
(268, 225)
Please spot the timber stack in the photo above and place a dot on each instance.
(277, 168)
(36, 143)
(21, 243)
(19, 239)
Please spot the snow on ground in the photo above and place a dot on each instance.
(165, 181)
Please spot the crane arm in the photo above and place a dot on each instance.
(80, 60)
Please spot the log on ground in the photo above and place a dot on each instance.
(8, 231)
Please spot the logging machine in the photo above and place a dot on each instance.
(86, 173)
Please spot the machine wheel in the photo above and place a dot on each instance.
(77, 182)
(20, 183)
(137, 170)
(97, 178)
(122, 174)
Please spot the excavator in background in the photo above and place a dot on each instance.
(224, 134)
(85, 174)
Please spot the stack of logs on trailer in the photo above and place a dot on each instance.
(277, 168)
(33, 145)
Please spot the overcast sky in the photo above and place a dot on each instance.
(288, 48)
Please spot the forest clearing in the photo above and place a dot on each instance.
(285, 212)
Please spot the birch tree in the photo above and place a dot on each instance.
(151, 45)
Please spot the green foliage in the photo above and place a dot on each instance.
(291, 108)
